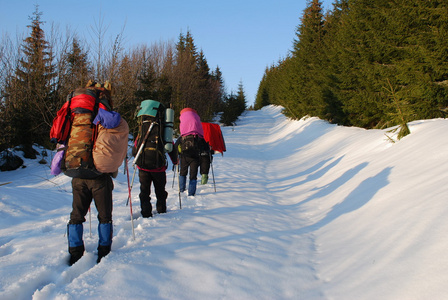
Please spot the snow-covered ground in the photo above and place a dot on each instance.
(302, 210)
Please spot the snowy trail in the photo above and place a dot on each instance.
(270, 219)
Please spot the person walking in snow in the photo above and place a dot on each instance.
(153, 141)
(157, 177)
(98, 188)
(188, 146)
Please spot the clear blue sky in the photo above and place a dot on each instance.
(242, 37)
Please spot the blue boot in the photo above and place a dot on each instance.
(75, 242)
(182, 183)
(192, 187)
(105, 232)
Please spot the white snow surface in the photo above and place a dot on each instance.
(302, 210)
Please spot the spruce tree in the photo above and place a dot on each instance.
(79, 69)
(241, 99)
(234, 106)
(308, 62)
(398, 41)
(204, 96)
(30, 92)
(333, 111)
(219, 89)
(74, 71)
(193, 84)
(262, 98)
(184, 75)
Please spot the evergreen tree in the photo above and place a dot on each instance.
(148, 81)
(74, 71)
(262, 98)
(234, 106)
(219, 89)
(30, 97)
(229, 114)
(422, 68)
(241, 98)
(204, 96)
(193, 84)
(184, 75)
(79, 69)
(124, 87)
(308, 61)
(385, 41)
(333, 111)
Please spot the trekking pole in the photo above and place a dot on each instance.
(142, 144)
(213, 174)
(125, 161)
(130, 201)
(90, 221)
(136, 157)
(178, 183)
(174, 175)
(130, 187)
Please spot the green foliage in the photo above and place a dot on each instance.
(29, 92)
(342, 62)
(399, 111)
(234, 106)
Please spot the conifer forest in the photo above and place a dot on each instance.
(365, 63)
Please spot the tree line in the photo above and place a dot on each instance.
(37, 74)
(365, 63)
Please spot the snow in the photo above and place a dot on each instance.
(302, 210)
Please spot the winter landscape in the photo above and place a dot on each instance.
(302, 210)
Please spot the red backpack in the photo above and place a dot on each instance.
(73, 128)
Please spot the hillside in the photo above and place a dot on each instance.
(302, 210)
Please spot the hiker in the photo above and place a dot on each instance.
(188, 145)
(157, 121)
(92, 179)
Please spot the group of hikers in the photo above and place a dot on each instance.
(92, 142)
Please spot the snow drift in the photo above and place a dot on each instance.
(303, 210)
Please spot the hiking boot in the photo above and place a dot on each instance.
(161, 209)
(75, 254)
(102, 251)
(75, 242)
(204, 179)
(146, 214)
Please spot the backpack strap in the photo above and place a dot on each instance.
(68, 115)
(95, 112)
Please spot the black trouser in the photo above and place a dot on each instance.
(205, 163)
(84, 190)
(159, 181)
(189, 162)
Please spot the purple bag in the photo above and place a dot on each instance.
(57, 160)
